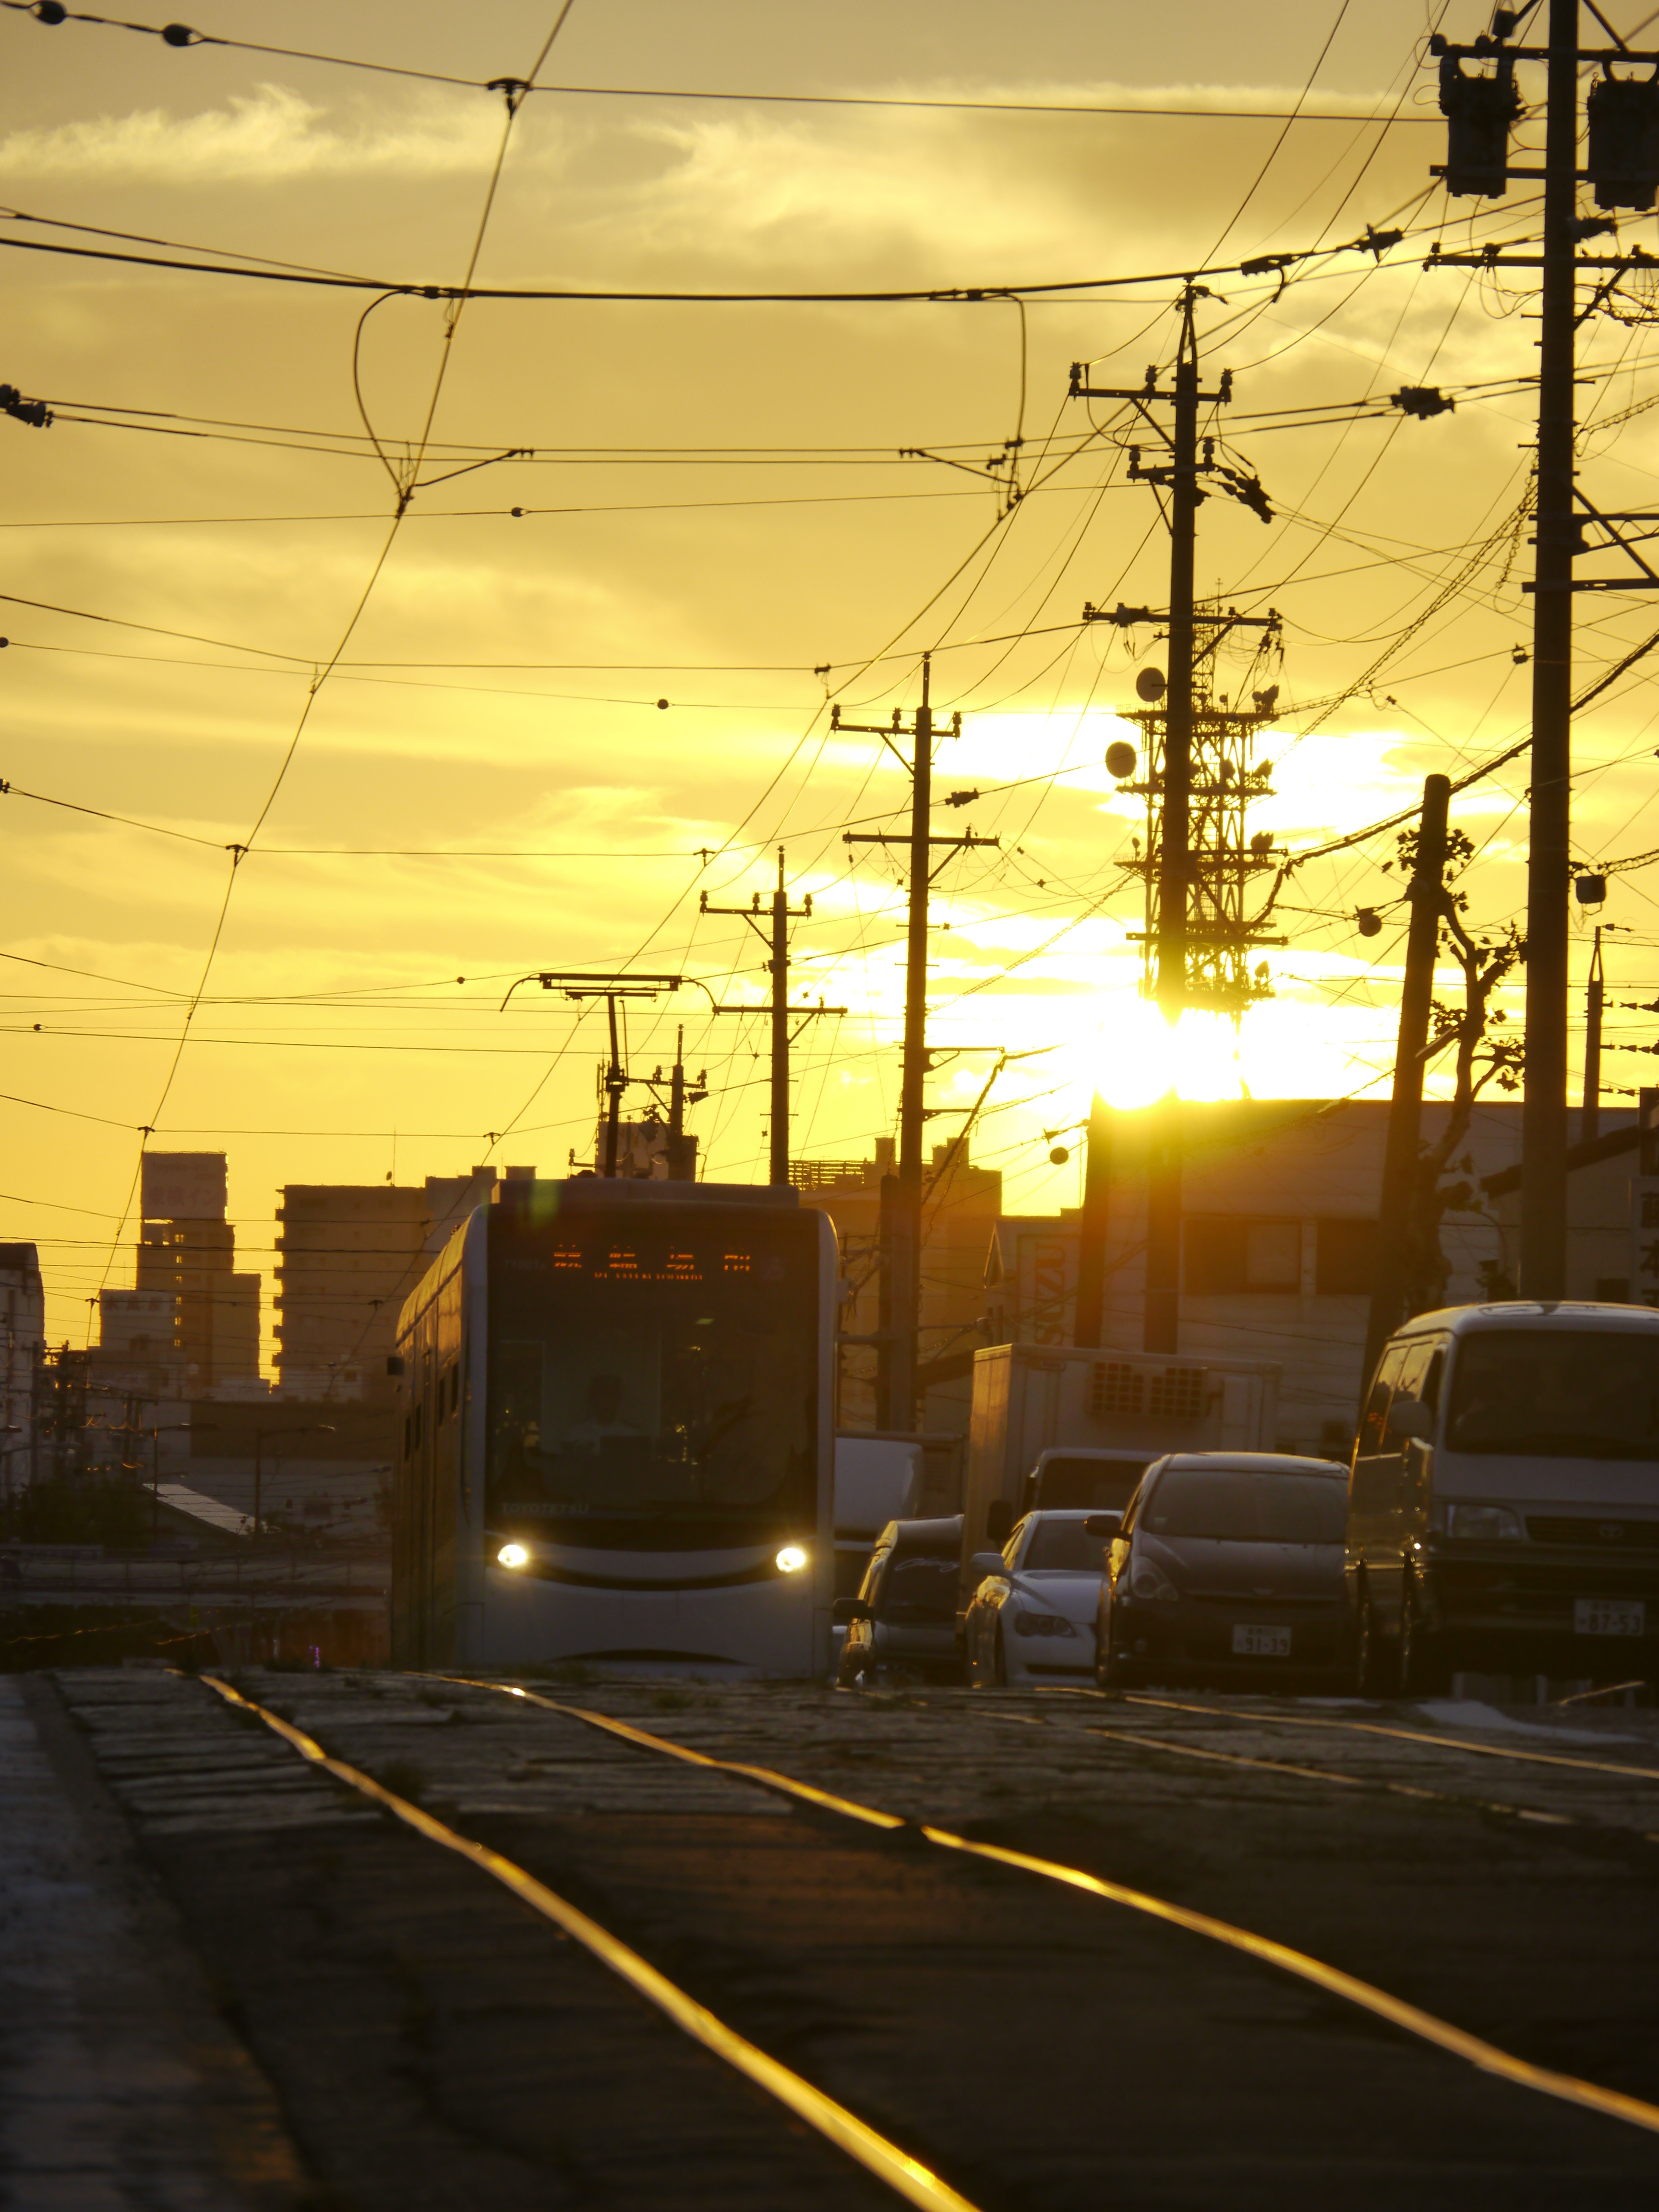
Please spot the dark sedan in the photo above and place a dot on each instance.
(902, 1626)
(1228, 1569)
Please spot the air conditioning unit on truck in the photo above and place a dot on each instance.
(1041, 1413)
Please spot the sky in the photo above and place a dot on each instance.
(286, 766)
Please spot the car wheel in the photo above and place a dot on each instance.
(1369, 1656)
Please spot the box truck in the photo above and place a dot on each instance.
(1043, 1413)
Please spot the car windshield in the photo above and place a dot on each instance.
(1237, 1507)
(1065, 1545)
(919, 1588)
(1562, 1394)
(1100, 1482)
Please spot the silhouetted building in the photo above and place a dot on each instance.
(349, 1255)
(191, 1323)
(23, 1349)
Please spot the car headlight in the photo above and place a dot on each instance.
(791, 1559)
(512, 1555)
(1042, 1624)
(1484, 1524)
(1148, 1580)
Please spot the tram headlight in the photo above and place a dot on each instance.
(512, 1555)
(791, 1559)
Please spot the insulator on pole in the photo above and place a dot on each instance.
(1622, 159)
(1479, 111)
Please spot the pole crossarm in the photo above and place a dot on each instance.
(597, 987)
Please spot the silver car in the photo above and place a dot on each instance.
(1032, 1617)
(1228, 1569)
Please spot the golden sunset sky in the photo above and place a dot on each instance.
(716, 511)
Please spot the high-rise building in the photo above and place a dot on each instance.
(191, 1323)
(349, 1255)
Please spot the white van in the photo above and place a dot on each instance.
(1504, 1503)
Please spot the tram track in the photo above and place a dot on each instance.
(1413, 2019)
(906, 2176)
(1017, 2017)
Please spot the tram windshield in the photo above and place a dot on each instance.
(654, 1384)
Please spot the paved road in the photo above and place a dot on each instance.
(431, 2042)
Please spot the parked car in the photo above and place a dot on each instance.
(1031, 1616)
(902, 1623)
(1100, 1479)
(1227, 1570)
(1504, 1508)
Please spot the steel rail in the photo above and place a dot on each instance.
(1425, 2027)
(906, 2176)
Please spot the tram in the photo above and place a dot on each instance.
(617, 1433)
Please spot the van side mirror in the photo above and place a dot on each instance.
(846, 1610)
(999, 1520)
(1103, 1525)
(394, 1364)
(1412, 1418)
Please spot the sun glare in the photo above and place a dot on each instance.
(1138, 1057)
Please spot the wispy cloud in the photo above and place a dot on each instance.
(268, 133)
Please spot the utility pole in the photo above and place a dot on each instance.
(1395, 1209)
(902, 1226)
(1622, 163)
(777, 943)
(1544, 1095)
(614, 1078)
(681, 1164)
(1589, 1117)
(1170, 979)
(1090, 1311)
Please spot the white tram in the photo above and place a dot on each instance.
(617, 1445)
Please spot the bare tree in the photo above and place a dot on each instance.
(1480, 1059)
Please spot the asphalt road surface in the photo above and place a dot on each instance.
(394, 2029)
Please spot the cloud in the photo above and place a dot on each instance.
(270, 133)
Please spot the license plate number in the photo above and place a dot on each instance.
(1250, 1642)
(1609, 1616)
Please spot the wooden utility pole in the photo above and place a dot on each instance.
(1544, 1097)
(1590, 1116)
(897, 1369)
(776, 941)
(1395, 1211)
(1178, 475)
(1089, 1313)
(1620, 149)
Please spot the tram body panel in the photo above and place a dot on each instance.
(626, 1389)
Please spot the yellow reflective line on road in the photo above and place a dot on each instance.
(1329, 1774)
(1612, 2104)
(1404, 1735)
(763, 1775)
(906, 2176)
(1424, 2025)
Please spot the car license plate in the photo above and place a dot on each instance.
(1250, 1642)
(1609, 1616)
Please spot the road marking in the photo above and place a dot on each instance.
(1329, 1774)
(906, 2176)
(1404, 1736)
(1427, 2027)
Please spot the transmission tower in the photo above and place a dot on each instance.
(1223, 859)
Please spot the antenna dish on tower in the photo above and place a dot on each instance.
(1149, 684)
